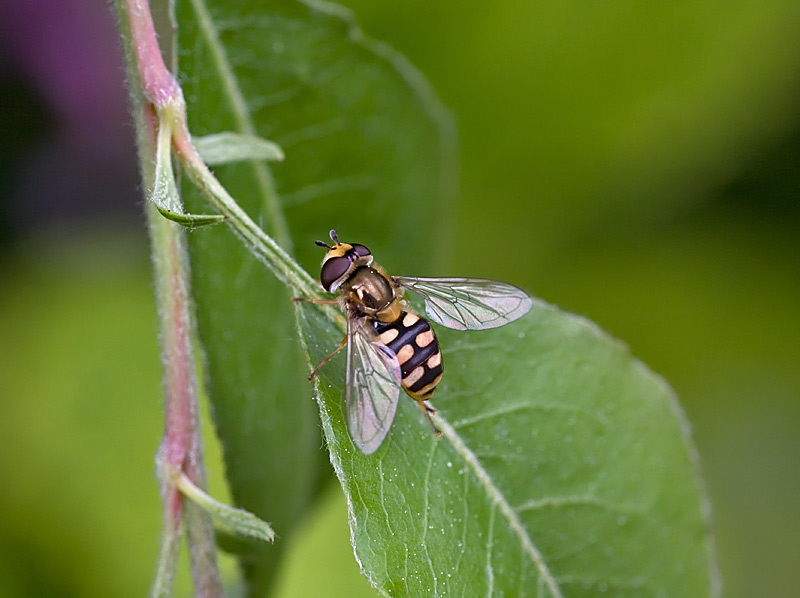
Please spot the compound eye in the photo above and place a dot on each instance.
(360, 250)
(333, 270)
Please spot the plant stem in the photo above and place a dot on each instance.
(263, 246)
(165, 96)
(154, 92)
(160, 114)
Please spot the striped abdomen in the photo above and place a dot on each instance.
(413, 341)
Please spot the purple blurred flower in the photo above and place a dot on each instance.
(61, 59)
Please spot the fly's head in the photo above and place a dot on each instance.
(340, 261)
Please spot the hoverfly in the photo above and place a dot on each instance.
(388, 346)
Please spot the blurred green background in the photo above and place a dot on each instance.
(637, 163)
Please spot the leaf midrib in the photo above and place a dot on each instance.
(498, 500)
(278, 225)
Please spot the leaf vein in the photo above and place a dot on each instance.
(279, 226)
(313, 132)
(500, 501)
(341, 185)
(425, 515)
(489, 548)
(514, 407)
(574, 501)
(383, 499)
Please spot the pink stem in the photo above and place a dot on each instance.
(181, 449)
(159, 85)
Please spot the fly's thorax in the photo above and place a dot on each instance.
(369, 291)
(414, 342)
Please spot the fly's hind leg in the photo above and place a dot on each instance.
(428, 411)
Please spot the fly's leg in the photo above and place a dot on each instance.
(428, 411)
(337, 349)
(327, 359)
(315, 301)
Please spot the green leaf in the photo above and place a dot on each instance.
(365, 145)
(190, 220)
(165, 192)
(237, 521)
(224, 148)
(564, 469)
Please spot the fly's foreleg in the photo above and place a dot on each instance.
(337, 349)
(315, 301)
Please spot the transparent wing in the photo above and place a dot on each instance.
(372, 387)
(469, 303)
